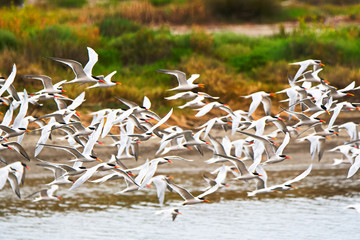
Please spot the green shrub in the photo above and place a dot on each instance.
(201, 42)
(7, 39)
(143, 47)
(243, 9)
(57, 40)
(68, 3)
(115, 26)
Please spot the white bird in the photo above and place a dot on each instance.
(257, 98)
(105, 82)
(317, 144)
(273, 156)
(304, 65)
(45, 194)
(186, 195)
(287, 185)
(82, 75)
(184, 84)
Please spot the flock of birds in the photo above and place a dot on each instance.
(245, 158)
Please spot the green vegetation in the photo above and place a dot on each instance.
(230, 65)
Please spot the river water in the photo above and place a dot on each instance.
(317, 209)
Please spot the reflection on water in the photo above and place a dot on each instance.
(316, 209)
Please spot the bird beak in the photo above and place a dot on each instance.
(327, 82)
(294, 187)
(118, 83)
(59, 198)
(138, 142)
(27, 130)
(189, 148)
(148, 185)
(169, 161)
(322, 121)
(98, 159)
(10, 148)
(200, 85)
(116, 167)
(77, 113)
(63, 91)
(328, 138)
(260, 175)
(236, 170)
(287, 157)
(350, 94)
(327, 112)
(321, 64)
(27, 167)
(170, 177)
(272, 94)
(5, 103)
(273, 138)
(102, 81)
(130, 174)
(101, 143)
(179, 213)
(205, 200)
(227, 185)
(208, 143)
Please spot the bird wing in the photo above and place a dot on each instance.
(93, 58)
(86, 176)
(77, 101)
(8, 81)
(146, 103)
(300, 177)
(336, 112)
(354, 167)
(74, 65)
(185, 194)
(256, 100)
(162, 121)
(192, 78)
(267, 144)
(71, 150)
(266, 101)
(46, 80)
(160, 185)
(4, 172)
(22, 111)
(180, 76)
(205, 109)
(19, 149)
(284, 144)
(93, 138)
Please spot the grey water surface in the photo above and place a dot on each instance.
(317, 209)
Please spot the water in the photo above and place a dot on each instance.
(316, 210)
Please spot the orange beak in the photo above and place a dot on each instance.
(350, 94)
(321, 64)
(102, 81)
(77, 113)
(205, 200)
(59, 198)
(98, 159)
(118, 83)
(200, 85)
(27, 130)
(170, 177)
(287, 157)
(10, 148)
(272, 94)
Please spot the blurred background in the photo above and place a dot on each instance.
(237, 46)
